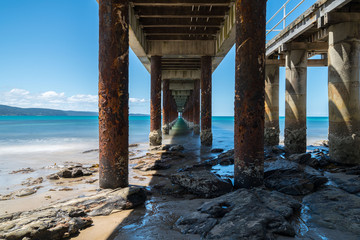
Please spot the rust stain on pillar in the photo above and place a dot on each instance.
(155, 103)
(166, 106)
(249, 93)
(206, 71)
(113, 93)
(196, 107)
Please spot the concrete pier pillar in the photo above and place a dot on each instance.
(196, 107)
(272, 131)
(155, 136)
(206, 82)
(113, 93)
(343, 87)
(249, 93)
(191, 111)
(166, 106)
(295, 100)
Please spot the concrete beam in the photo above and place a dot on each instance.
(181, 85)
(311, 62)
(181, 74)
(177, 93)
(186, 48)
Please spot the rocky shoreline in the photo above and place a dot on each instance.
(189, 196)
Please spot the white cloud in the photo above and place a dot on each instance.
(137, 100)
(52, 99)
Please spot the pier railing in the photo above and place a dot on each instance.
(282, 10)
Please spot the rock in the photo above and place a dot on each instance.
(226, 161)
(243, 214)
(53, 176)
(153, 165)
(173, 147)
(334, 209)
(65, 189)
(91, 150)
(306, 159)
(31, 181)
(227, 154)
(202, 183)
(217, 150)
(348, 183)
(133, 145)
(25, 192)
(292, 178)
(64, 220)
(24, 170)
(73, 172)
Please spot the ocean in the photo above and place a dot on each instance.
(50, 133)
(45, 142)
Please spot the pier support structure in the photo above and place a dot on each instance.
(272, 131)
(249, 93)
(343, 87)
(206, 86)
(166, 106)
(196, 107)
(155, 136)
(295, 99)
(113, 93)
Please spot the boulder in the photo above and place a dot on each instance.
(202, 183)
(217, 150)
(243, 214)
(292, 178)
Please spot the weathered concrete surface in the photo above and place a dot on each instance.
(272, 131)
(113, 93)
(249, 93)
(243, 214)
(206, 94)
(344, 98)
(202, 183)
(295, 101)
(65, 219)
(155, 136)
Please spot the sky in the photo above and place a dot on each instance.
(49, 59)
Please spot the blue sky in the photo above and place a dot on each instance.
(49, 58)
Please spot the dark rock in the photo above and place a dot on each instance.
(53, 176)
(73, 172)
(91, 150)
(301, 158)
(349, 183)
(292, 178)
(153, 165)
(176, 148)
(334, 209)
(217, 150)
(278, 149)
(227, 154)
(226, 161)
(243, 214)
(23, 170)
(133, 145)
(202, 183)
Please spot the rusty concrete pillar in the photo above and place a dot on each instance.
(196, 107)
(343, 87)
(272, 131)
(249, 93)
(113, 93)
(295, 100)
(206, 82)
(166, 107)
(155, 136)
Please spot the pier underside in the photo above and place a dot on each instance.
(181, 43)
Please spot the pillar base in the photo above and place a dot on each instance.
(155, 138)
(206, 137)
(249, 177)
(196, 129)
(345, 149)
(295, 140)
(166, 129)
(271, 136)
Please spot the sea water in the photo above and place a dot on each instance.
(45, 142)
(22, 134)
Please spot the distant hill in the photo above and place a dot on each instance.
(16, 111)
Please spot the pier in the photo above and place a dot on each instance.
(181, 43)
